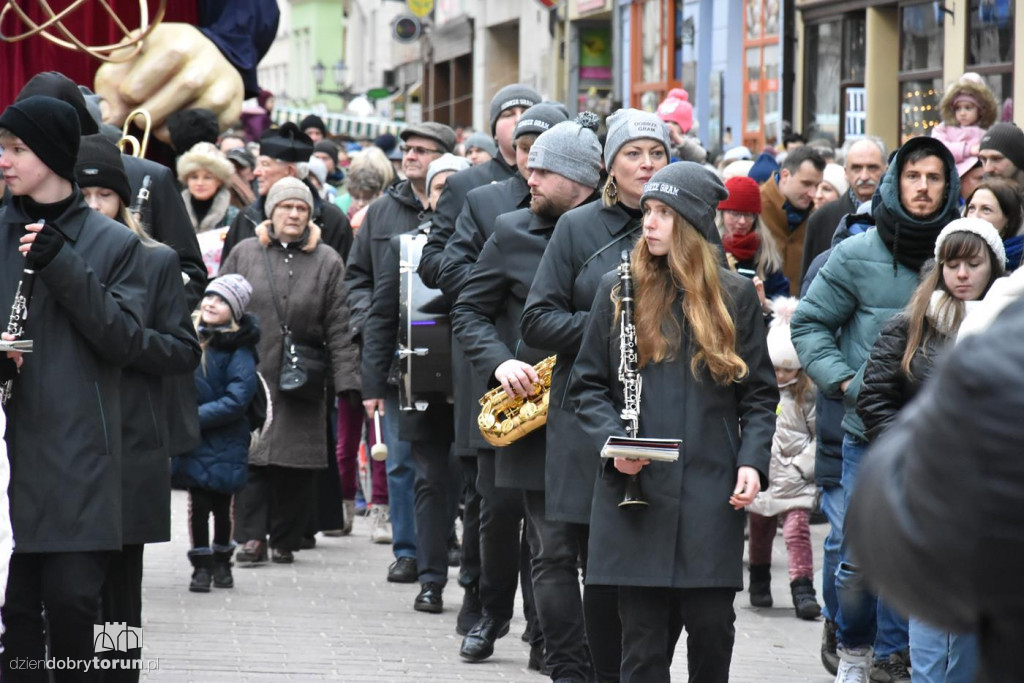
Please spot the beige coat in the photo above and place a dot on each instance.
(791, 472)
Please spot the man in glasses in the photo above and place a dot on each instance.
(401, 208)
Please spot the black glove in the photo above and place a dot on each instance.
(8, 369)
(45, 248)
(353, 397)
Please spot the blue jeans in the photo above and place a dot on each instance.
(863, 619)
(833, 506)
(940, 656)
(401, 480)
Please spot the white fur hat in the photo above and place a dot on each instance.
(979, 227)
(780, 347)
(205, 156)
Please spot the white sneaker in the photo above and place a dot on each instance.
(854, 665)
(381, 531)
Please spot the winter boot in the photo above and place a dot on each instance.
(202, 567)
(761, 585)
(350, 516)
(804, 599)
(222, 566)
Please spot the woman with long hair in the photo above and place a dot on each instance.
(707, 379)
(969, 257)
(997, 201)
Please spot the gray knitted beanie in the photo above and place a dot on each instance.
(515, 95)
(445, 162)
(482, 141)
(692, 191)
(540, 117)
(571, 150)
(627, 125)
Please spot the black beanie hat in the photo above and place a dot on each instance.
(1008, 140)
(286, 143)
(329, 148)
(50, 128)
(314, 121)
(189, 126)
(99, 165)
(59, 86)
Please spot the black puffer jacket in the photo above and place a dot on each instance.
(886, 387)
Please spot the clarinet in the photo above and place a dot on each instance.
(140, 207)
(16, 321)
(629, 375)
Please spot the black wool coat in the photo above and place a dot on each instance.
(689, 536)
(585, 245)
(64, 422)
(397, 211)
(475, 224)
(380, 342)
(486, 321)
(168, 221)
(169, 348)
(449, 206)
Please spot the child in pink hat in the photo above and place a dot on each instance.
(677, 113)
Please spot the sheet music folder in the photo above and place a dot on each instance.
(664, 450)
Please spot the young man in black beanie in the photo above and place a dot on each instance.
(64, 418)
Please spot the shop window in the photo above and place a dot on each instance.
(921, 36)
(990, 48)
(761, 113)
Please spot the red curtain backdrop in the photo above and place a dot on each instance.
(90, 23)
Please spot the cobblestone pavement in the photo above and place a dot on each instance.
(332, 616)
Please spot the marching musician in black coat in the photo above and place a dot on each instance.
(64, 431)
(585, 246)
(169, 347)
(707, 380)
(502, 509)
(430, 431)
(565, 167)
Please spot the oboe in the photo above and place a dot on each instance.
(629, 375)
(16, 322)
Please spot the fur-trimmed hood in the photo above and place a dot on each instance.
(247, 334)
(265, 232)
(973, 85)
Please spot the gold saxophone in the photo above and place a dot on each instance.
(505, 420)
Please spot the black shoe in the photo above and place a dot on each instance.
(478, 644)
(804, 599)
(253, 552)
(222, 569)
(403, 570)
(470, 612)
(281, 556)
(202, 571)
(307, 543)
(891, 670)
(761, 585)
(829, 656)
(536, 662)
(429, 599)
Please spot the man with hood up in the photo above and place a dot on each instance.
(867, 279)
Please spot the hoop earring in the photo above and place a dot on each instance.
(611, 190)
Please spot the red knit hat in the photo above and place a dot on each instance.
(677, 109)
(744, 195)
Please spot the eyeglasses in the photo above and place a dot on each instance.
(740, 215)
(418, 151)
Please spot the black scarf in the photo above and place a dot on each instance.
(911, 242)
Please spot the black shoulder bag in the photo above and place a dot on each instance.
(303, 367)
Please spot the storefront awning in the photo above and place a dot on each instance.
(355, 127)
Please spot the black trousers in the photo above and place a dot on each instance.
(201, 504)
(276, 500)
(433, 510)
(652, 621)
(122, 602)
(469, 563)
(501, 515)
(557, 548)
(68, 587)
(604, 629)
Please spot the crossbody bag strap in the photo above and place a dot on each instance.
(607, 247)
(273, 293)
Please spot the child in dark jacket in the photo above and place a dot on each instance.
(225, 384)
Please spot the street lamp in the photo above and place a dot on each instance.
(338, 72)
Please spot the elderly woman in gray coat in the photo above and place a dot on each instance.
(287, 260)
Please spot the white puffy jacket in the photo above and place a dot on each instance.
(791, 472)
